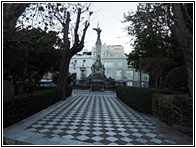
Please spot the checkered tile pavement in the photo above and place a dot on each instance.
(87, 92)
(99, 119)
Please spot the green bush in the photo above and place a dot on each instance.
(172, 109)
(23, 106)
(166, 91)
(162, 106)
(177, 79)
(137, 98)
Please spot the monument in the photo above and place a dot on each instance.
(97, 81)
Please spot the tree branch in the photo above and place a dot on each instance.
(66, 32)
(76, 27)
(179, 21)
(58, 18)
(84, 32)
(185, 7)
(79, 47)
(11, 13)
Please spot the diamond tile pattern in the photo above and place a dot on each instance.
(99, 119)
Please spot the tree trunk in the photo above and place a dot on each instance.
(64, 67)
(11, 13)
(62, 81)
(185, 38)
(69, 52)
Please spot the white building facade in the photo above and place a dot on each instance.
(115, 63)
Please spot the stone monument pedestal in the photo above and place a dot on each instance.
(97, 85)
(97, 77)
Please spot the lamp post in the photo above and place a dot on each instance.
(140, 55)
(82, 70)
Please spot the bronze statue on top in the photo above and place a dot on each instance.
(98, 30)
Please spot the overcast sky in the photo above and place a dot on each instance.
(109, 16)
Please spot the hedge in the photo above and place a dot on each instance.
(172, 109)
(135, 97)
(19, 107)
(139, 98)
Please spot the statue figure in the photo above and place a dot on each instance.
(98, 30)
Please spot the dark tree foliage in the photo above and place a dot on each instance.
(158, 46)
(183, 30)
(71, 24)
(36, 55)
(177, 79)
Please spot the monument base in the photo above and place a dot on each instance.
(97, 85)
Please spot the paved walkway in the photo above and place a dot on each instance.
(91, 118)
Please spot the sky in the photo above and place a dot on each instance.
(109, 16)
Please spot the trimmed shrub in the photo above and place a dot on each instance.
(166, 91)
(177, 79)
(162, 107)
(23, 106)
(140, 98)
(137, 98)
(172, 109)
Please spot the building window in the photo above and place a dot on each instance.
(129, 83)
(109, 64)
(129, 75)
(105, 64)
(84, 61)
(74, 64)
(119, 75)
(120, 64)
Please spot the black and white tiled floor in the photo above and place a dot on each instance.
(92, 93)
(99, 119)
(96, 119)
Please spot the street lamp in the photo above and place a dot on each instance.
(140, 55)
(82, 70)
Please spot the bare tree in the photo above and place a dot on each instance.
(69, 51)
(73, 36)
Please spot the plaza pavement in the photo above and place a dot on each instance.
(92, 118)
